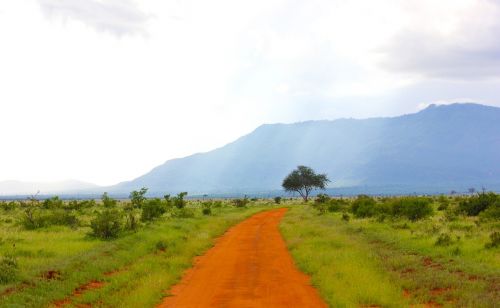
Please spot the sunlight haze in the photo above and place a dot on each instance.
(103, 91)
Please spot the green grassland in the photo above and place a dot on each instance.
(360, 252)
(133, 269)
(394, 261)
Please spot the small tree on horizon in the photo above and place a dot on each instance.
(304, 180)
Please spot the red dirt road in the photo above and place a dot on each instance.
(249, 266)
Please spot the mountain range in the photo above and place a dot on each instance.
(441, 147)
(12, 188)
(435, 150)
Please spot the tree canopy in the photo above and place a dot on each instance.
(303, 180)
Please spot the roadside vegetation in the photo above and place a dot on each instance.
(399, 251)
(108, 252)
(362, 251)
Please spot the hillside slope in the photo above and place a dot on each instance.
(446, 145)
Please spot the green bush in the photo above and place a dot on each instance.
(107, 201)
(492, 212)
(444, 239)
(240, 202)
(37, 218)
(478, 203)
(62, 217)
(161, 245)
(132, 222)
(277, 200)
(413, 208)
(337, 205)
(107, 224)
(8, 269)
(183, 213)
(8, 206)
(152, 209)
(451, 213)
(364, 206)
(179, 201)
(137, 198)
(52, 203)
(322, 208)
(345, 217)
(494, 240)
(322, 198)
(443, 202)
(78, 205)
(206, 208)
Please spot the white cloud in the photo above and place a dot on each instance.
(75, 103)
(456, 40)
(119, 17)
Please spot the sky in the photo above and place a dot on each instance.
(104, 90)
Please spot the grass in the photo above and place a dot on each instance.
(359, 262)
(134, 272)
(345, 271)
(396, 263)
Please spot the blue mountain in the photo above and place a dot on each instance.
(444, 146)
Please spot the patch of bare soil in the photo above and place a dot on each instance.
(249, 266)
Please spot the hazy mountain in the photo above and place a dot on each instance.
(30, 188)
(445, 146)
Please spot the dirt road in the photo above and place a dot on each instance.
(249, 266)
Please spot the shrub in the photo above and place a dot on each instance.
(137, 198)
(337, 205)
(36, 218)
(161, 245)
(62, 217)
(152, 209)
(321, 207)
(345, 217)
(107, 201)
(322, 198)
(8, 206)
(73, 205)
(240, 202)
(183, 213)
(443, 202)
(413, 208)
(277, 200)
(492, 212)
(132, 221)
(52, 203)
(494, 240)
(8, 269)
(107, 224)
(456, 252)
(86, 204)
(178, 201)
(363, 206)
(444, 239)
(451, 213)
(478, 203)
(206, 208)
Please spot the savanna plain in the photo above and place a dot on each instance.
(364, 251)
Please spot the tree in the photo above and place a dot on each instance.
(137, 198)
(303, 180)
(107, 201)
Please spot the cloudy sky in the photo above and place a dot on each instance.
(104, 90)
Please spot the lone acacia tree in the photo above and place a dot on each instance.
(303, 180)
